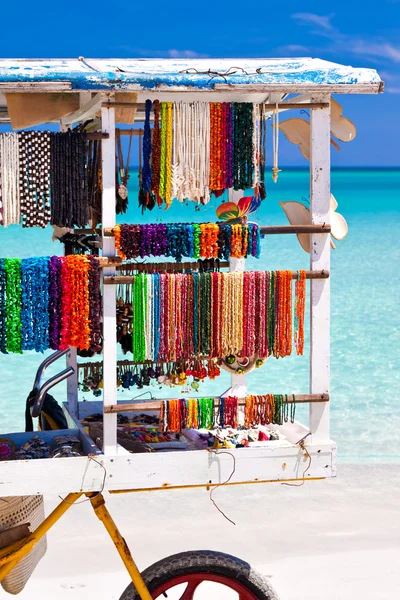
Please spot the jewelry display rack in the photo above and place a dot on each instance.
(115, 469)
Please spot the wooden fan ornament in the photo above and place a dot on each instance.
(297, 130)
(298, 214)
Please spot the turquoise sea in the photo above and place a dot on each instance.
(365, 365)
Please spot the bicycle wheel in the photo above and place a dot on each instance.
(181, 577)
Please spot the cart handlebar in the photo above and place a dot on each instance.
(47, 362)
(37, 406)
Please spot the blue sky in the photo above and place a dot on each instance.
(353, 32)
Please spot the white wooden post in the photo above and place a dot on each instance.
(320, 259)
(109, 299)
(238, 382)
(72, 361)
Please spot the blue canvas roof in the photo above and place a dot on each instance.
(147, 74)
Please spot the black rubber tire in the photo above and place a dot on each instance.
(204, 561)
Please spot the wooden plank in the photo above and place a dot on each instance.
(288, 88)
(271, 229)
(109, 261)
(285, 105)
(35, 86)
(287, 229)
(156, 404)
(87, 111)
(109, 296)
(97, 136)
(320, 260)
(118, 279)
(163, 470)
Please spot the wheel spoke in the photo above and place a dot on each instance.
(190, 590)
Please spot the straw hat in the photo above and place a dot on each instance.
(298, 214)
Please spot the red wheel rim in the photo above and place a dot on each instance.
(193, 580)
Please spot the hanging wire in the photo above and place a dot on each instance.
(212, 490)
(97, 493)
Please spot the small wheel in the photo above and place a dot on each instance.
(191, 571)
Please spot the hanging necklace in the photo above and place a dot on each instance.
(122, 173)
(275, 143)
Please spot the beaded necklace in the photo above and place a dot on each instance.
(34, 304)
(12, 268)
(163, 147)
(206, 413)
(168, 156)
(155, 156)
(54, 302)
(139, 316)
(146, 171)
(69, 154)
(96, 342)
(299, 312)
(3, 313)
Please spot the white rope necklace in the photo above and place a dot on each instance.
(9, 172)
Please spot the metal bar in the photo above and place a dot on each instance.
(72, 381)
(156, 405)
(37, 406)
(104, 516)
(270, 229)
(119, 279)
(46, 363)
(284, 229)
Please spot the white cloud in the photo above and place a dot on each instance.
(173, 53)
(376, 49)
(294, 48)
(322, 21)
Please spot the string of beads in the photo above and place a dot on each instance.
(202, 148)
(213, 315)
(220, 413)
(44, 303)
(189, 240)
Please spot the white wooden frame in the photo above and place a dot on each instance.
(319, 260)
(114, 469)
(109, 296)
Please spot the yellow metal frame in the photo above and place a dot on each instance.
(11, 555)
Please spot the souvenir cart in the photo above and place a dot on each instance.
(177, 297)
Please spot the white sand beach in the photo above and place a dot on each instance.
(328, 540)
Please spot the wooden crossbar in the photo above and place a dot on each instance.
(270, 229)
(119, 279)
(156, 405)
